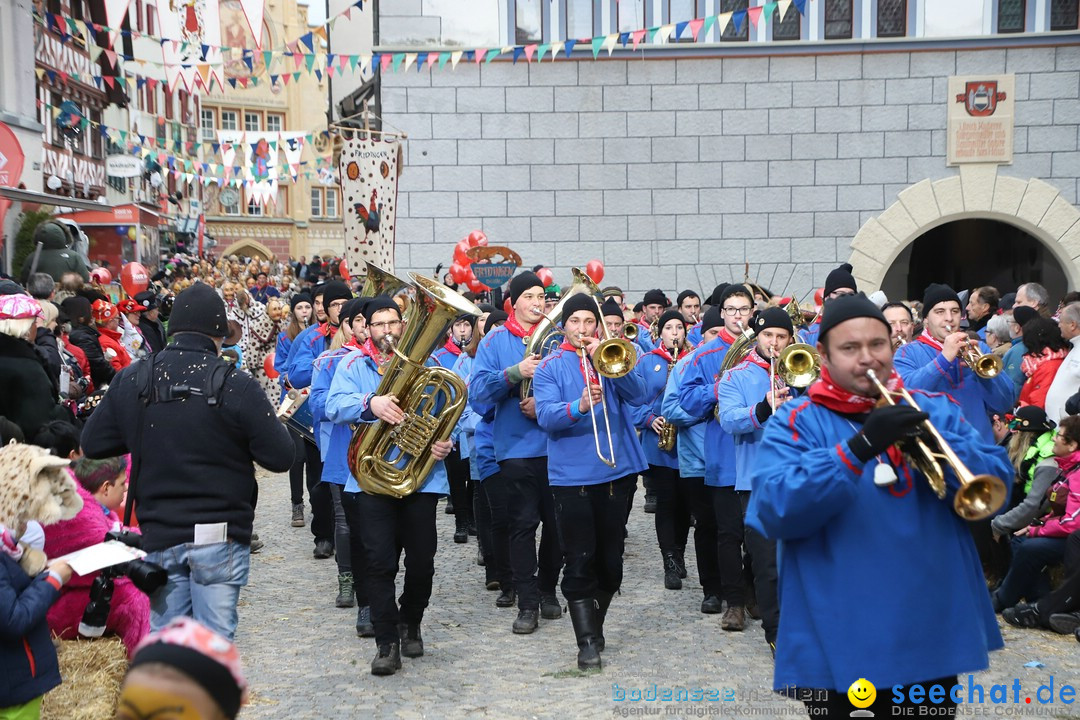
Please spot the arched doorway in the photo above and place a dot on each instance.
(1030, 214)
(970, 253)
(248, 248)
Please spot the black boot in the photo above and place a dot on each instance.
(461, 530)
(603, 601)
(387, 661)
(680, 562)
(583, 614)
(412, 645)
(364, 626)
(672, 581)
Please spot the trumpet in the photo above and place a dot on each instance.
(978, 497)
(985, 365)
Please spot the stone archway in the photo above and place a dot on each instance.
(249, 248)
(1034, 206)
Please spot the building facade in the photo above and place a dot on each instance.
(777, 150)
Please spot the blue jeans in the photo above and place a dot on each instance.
(1031, 555)
(204, 584)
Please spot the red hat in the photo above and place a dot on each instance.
(102, 311)
(127, 305)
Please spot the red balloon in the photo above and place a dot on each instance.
(595, 270)
(461, 253)
(476, 286)
(458, 273)
(476, 238)
(545, 276)
(268, 366)
(134, 278)
(100, 276)
(343, 270)
(507, 307)
(819, 296)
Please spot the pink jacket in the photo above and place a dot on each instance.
(1059, 526)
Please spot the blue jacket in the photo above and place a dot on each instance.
(690, 442)
(571, 449)
(446, 355)
(738, 392)
(466, 425)
(850, 549)
(809, 334)
(924, 368)
(281, 356)
(653, 371)
(308, 345)
(482, 463)
(354, 384)
(693, 335)
(516, 436)
(644, 339)
(1011, 360)
(697, 395)
(26, 649)
(333, 439)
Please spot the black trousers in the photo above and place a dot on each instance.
(342, 544)
(350, 505)
(529, 503)
(322, 504)
(673, 500)
(762, 552)
(461, 488)
(705, 547)
(1067, 597)
(835, 703)
(388, 526)
(493, 529)
(728, 512)
(296, 472)
(591, 519)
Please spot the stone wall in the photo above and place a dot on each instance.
(676, 172)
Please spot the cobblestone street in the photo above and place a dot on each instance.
(304, 660)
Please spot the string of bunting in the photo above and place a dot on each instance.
(320, 62)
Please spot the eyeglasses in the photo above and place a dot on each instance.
(737, 311)
(336, 304)
(385, 325)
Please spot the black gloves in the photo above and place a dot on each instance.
(762, 411)
(883, 427)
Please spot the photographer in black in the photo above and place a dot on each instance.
(195, 427)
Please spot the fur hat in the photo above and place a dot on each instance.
(34, 485)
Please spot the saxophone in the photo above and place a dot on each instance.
(396, 460)
(666, 441)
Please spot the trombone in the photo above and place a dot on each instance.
(630, 331)
(613, 358)
(798, 365)
(609, 459)
(978, 497)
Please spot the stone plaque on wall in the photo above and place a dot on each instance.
(981, 119)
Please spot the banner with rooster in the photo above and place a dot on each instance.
(369, 177)
(191, 43)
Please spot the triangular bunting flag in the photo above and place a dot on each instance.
(695, 27)
(609, 42)
(398, 58)
(387, 58)
(555, 48)
(421, 58)
(518, 52)
(570, 46)
(492, 54)
(455, 58)
(530, 50)
(480, 53)
(665, 32)
(679, 27)
(739, 19)
(783, 6)
(432, 58)
(723, 20)
(800, 5)
(410, 58)
(636, 37)
(709, 22)
(443, 57)
(597, 43)
(541, 51)
(754, 14)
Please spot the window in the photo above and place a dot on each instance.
(631, 15)
(788, 28)
(838, 19)
(228, 120)
(1011, 16)
(734, 6)
(252, 122)
(331, 203)
(151, 13)
(275, 123)
(254, 209)
(579, 19)
(892, 18)
(1064, 14)
(681, 10)
(96, 140)
(316, 202)
(206, 125)
(529, 21)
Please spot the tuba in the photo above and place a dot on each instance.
(395, 460)
(381, 282)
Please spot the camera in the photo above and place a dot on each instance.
(146, 576)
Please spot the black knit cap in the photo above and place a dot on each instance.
(686, 294)
(380, 302)
(773, 317)
(199, 309)
(669, 316)
(712, 318)
(841, 277)
(351, 309)
(78, 308)
(335, 290)
(299, 298)
(610, 307)
(718, 291)
(1021, 314)
(521, 283)
(847, 307)
(937, 293)
(580, 301)
(469, 318)
(639, 307)
(495, 317)
(733, 289)
(656, 297)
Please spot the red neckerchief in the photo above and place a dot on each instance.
(353, 344)
(327, 330)
(726, 336)
(664, 352)
(754, 357)
(369, 349)
(826, 393)
(927, 339)
(451, 348)
(593, 377)
(515, 327)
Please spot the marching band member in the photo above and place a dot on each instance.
(387, 524)
(521, 450)
(901, 321)
(614, 319)
(933, 362)
(457, 465)
(814, 494)
(690, 446)
(746, 402)
(334, 446)
(689, 304)
(838, 282)
(654, 304)
(308, 345)
(590, 496)
(673, 494)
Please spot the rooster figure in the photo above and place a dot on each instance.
(370, 214)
